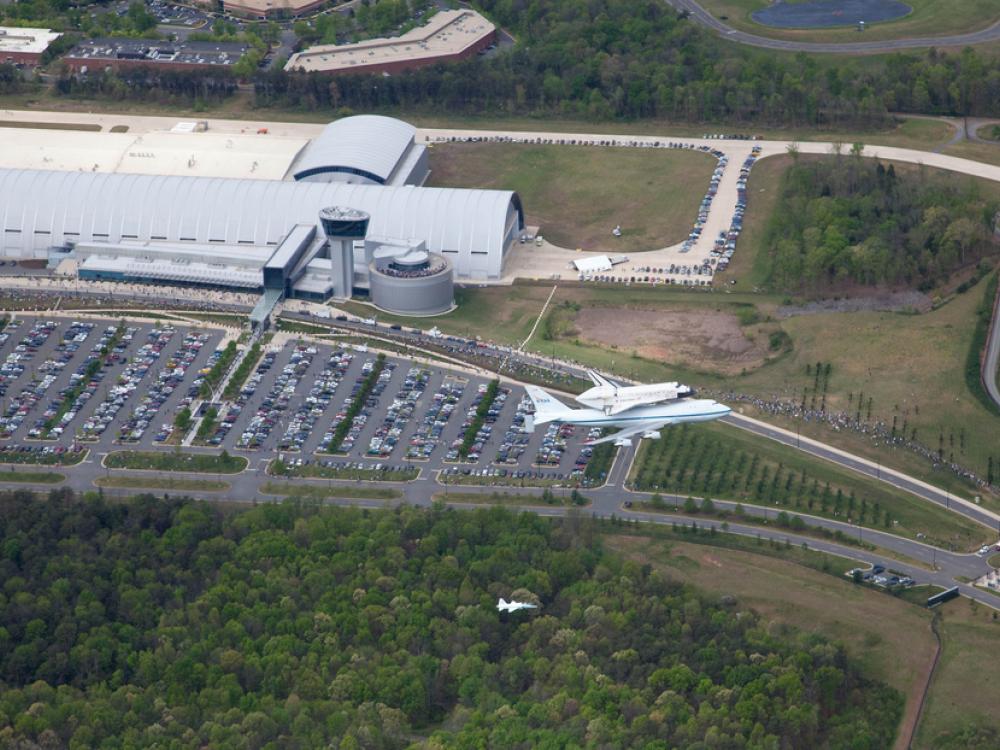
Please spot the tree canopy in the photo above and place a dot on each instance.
(847, 220)
(178, 624)
(639, 58)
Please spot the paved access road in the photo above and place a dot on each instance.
(991, 362)
(702, 16)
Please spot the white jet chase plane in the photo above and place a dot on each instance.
(637, 410)
(505, 606)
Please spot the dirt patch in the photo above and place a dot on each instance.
(702, 340)
(887, 302)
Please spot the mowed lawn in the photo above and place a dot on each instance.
(578, 194)
(928, 18)
(890, 638)
(712, 452)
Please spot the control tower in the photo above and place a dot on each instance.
(343, 227)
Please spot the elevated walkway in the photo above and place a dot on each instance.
(262, 312)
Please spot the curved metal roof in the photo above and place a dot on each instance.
(40, 209)
(368, 145)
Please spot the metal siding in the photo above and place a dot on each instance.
(369, 143)
(257, 211)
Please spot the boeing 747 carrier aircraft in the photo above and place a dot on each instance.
(638, 410)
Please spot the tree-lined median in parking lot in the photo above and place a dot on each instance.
(357, 404)
(479, 419)
(241, 373)
(218, 370)
(91, 369)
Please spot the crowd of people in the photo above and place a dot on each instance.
(880, 433)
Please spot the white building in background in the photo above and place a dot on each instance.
(226, 231)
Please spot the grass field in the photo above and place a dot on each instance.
(988, 153)
(719, 461)
(559, 497)
(928, 18)
(32, 477)
(202, 463)
(577, 194)
(320, 492)
(163, 483)
(961, 711)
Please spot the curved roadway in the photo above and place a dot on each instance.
(702, 16)
(991, 362)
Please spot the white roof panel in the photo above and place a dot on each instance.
(593, 264)
(371, 145)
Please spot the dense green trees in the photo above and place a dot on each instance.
(177, 624)
(637, 58)
(846, 220)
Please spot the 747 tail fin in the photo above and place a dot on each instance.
(547, 407)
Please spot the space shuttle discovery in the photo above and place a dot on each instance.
(612, 398)
(637, 410)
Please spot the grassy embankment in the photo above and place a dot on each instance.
(571, 498)
(32, 477)
(717, 461)
(202, 463)
(173, 484)
(928, 18)
(320, 492)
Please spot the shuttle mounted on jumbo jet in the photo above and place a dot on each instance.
(612, 398)
(644, 413)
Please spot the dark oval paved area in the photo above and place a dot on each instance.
(822, 14)
(700, 15)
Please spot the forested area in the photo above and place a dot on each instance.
(150, 84)
(91, 18)
(638, 59)
(176, 623)
(846, 220)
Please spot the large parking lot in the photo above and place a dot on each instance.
(110, 385)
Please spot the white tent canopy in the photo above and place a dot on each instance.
(593, 264)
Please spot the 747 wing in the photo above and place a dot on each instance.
(647, 426)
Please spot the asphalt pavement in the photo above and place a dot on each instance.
(991, 362)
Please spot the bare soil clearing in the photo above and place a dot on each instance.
(713, 340)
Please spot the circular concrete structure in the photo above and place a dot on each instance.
(825, 14)
(418, 283)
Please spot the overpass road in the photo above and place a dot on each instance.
(703, 17)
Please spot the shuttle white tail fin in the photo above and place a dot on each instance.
(547, 408)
